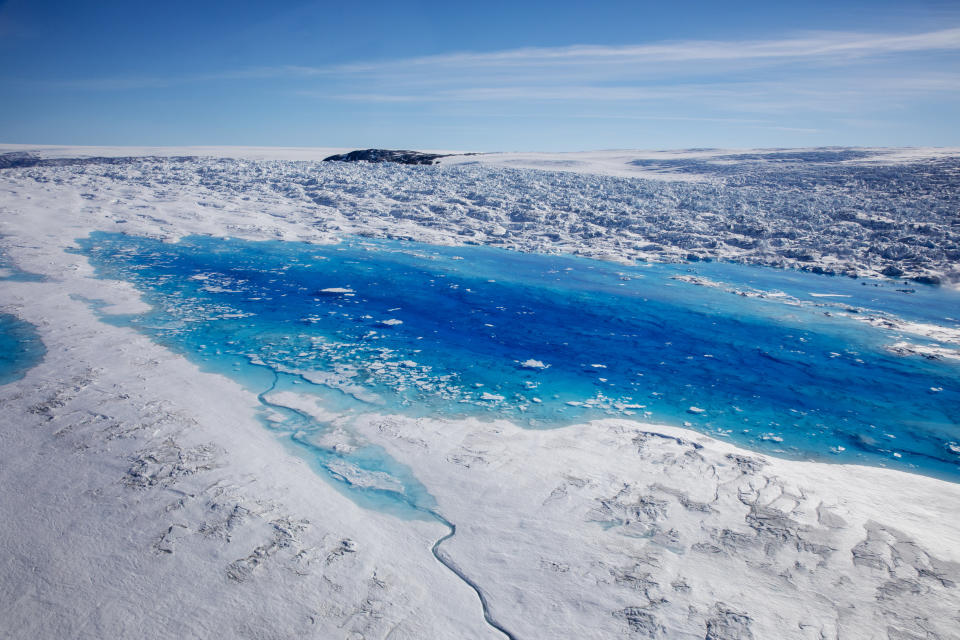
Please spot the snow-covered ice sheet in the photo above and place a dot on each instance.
(838, 211)
(617, 528)
(142, 496)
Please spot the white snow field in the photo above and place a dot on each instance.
(858, 212)
(141, 497)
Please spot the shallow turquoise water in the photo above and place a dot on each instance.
(10, 271)
(20, 348)
(551, 340)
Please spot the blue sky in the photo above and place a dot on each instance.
(481, 75)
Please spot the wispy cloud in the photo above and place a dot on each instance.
(816, 45)
(772, 83)
(810, 92)
(574, 63)
(824, 71)
(751, 123)
(548, 93)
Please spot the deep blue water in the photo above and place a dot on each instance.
(427, 330)
(20, 348)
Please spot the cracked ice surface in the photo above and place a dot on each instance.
(853, 212)
(617, 528)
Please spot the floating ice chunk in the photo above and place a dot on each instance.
(696, 410)
(533, 364)
(491, 396)
(216, 289)
(362, 478)
(335, 290)
(616, 258)
(302, 403)
(390, 322)
(599, 366)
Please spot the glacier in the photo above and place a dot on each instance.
(143, 494)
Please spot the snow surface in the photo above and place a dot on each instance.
(624, 163)
(858, 212)
(141, 497)
(247, 153)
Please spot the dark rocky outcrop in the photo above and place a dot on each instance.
(399, 156)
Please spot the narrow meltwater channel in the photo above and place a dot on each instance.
(448, 563)
(410, 502)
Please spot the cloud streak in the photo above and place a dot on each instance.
(824, 72)
(808, 93)
(574, 63)
(812, 75)
(818, 45)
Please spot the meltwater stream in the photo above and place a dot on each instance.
(776, 361)
(413, 504)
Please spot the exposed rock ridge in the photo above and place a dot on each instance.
(399, 156)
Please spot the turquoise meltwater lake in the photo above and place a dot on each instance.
(20, 348)
(776, 361)
(20, 345)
